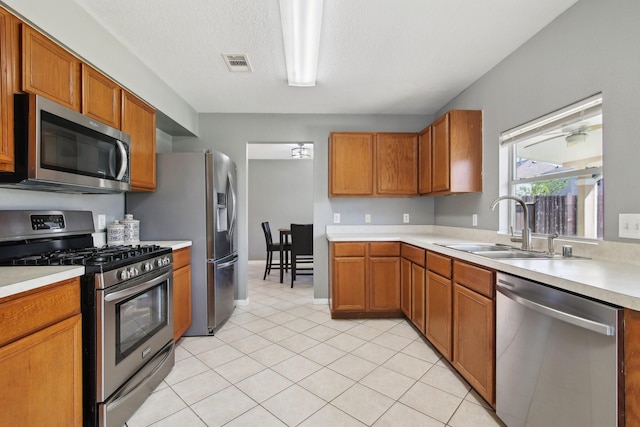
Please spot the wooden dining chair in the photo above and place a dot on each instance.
(301, 250)
(274, 247)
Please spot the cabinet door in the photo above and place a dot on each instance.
(474, 340)
(418, 297)
(41, 377)
(49, 70)
(139, 121)
(351, 164)
(397, 164)
(101, 97)
(439, 313)
(181, 301)
(405, 287)
(424, 161)
(465, 151)
(384, 283)
(348, 284)
(7, 60)
(440, 154)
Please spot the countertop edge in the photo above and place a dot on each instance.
(15, 280)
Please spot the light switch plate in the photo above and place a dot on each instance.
(102, 222)
(336, 218)
(629, 226)
(474, 220)
(367, 218)
(405, 218)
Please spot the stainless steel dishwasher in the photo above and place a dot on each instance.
(558, 357)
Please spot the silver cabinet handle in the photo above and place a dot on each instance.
(581, 322)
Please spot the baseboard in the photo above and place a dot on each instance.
(242, 301)
(324, 301)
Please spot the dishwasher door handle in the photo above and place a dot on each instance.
(581, 322)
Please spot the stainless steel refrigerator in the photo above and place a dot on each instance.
(195, 199)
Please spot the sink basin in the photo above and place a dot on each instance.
(498, 251)
(479, 247)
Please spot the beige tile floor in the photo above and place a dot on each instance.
(282, 361)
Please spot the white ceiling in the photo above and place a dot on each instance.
(376, 56)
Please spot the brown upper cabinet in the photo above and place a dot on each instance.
(456, 153)
(351, 164)
(8, 74)
(101, 97)
(139, 121)
(397, 164)
(370, 164)
(49, 70)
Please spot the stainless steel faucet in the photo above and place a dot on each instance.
(526, 232)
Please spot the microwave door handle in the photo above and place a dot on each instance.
(123, 157)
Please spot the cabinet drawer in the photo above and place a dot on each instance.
(414, 254)
(384, 249)
(26, 314)
(439, 264)
(181, 257)
(474, 278)
(348, 249)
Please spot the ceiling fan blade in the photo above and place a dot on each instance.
(544, 140)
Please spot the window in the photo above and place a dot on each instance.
(555, 166)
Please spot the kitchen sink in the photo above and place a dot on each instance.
(499, 251)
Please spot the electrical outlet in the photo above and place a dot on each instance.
(102, 222)
(405, 218)
(474, 220)
(336, 218)
(629, 226)
(367, 218)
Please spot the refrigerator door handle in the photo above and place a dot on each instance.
(227, 264)
(232, 226)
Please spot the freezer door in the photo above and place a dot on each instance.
(222, 205)
(223, 276)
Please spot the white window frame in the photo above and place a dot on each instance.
(573, 113)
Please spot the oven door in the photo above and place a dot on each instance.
(134, 322)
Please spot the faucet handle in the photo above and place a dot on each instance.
(550, 238)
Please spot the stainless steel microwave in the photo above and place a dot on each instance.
(58, 149)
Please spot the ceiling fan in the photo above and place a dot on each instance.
(572, 134)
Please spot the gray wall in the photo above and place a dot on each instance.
(592, 47)
(230, 133)
(281, 192)
(111, 205)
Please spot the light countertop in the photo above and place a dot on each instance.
(14, 280)
(613, 282)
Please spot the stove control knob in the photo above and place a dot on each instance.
(147, 266)
(159, 262)
(166, 261)
(133, 272)
(124, 275)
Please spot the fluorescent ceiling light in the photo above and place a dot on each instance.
(301, 21)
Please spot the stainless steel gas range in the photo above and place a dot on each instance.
(126, 299)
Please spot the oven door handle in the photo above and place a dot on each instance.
(137, 289)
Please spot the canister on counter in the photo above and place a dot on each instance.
(115, 234)
(131, 230)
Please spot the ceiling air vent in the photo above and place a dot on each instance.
(237, 62)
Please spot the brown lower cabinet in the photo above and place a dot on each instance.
(413, 284)
(474, 327)
(365, 279)
(41, 357)
(439, 303)
(181, 292)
